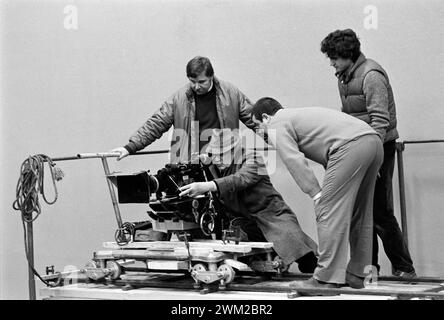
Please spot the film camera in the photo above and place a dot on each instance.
(168, 212)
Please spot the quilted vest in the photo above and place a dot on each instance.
(352, 94)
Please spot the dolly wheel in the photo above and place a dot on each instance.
(199, 267)
(227, 271)
(115, 269)
(91, 264)
(282, 266)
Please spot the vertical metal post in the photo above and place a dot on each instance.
(30, 253)
(112, 193)
(399, 149)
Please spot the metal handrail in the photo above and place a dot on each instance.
(422, 141)
(400, 147)
(105, 155)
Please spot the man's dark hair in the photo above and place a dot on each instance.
(341, 44)
(265, 105)
(197, 65)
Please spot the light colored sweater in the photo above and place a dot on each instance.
(311, 133)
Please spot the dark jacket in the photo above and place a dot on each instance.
(179, 111)
(369, 97)
(245, 190)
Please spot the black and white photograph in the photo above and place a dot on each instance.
(219, 157)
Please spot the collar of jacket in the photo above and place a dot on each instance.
(347, 75)
(190, 92)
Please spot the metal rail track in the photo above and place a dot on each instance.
(290, 276)
(250, 282)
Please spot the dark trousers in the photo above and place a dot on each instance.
(306, 263)
(385, 224)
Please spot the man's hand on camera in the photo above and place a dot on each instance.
(122, 151)
(197, 188)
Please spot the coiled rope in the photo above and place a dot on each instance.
(30, 184)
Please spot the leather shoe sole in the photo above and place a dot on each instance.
(313, 284)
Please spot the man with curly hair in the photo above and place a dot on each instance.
(366, 94)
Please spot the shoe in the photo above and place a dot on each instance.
(353, 281)
(404, 274)
(307, 263)
(313, 283)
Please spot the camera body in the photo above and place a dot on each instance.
(168, 212)
(173, 176)
(139, 187)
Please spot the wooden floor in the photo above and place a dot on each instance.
(100, 291)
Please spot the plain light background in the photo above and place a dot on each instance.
(65, 92)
